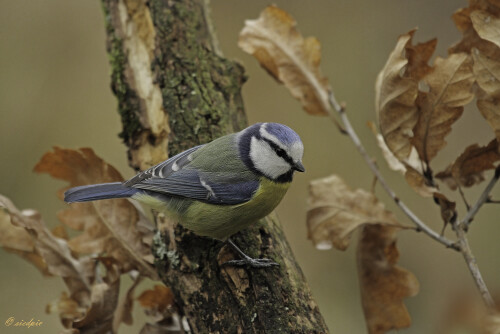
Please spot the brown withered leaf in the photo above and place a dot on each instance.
(471, 39)
(447, 208)
(67, 308)
(467, 170)
(410, 168)
(17, 240)
(490, 109)
(384, 285)
(486, 25)
(487, 72)
(335, 211)
(108, 226)
(288, 57)
(56, 255)
(157, 301)
(449, 90)
(418, 182)
(103, 302)
(395, 95)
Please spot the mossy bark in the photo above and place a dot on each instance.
(201, 100)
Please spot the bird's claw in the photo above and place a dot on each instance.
(254, 263)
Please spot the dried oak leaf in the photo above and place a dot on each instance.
(447, 208)
(109, 226)
(156, 301)
(481, 16)
(486, 25)
(449, 90)
(17, 240)
(411, 167)
(487, 72)
(335, 211)
(467, 170)
(57, 257)
(288, 57)
(396, 90)
(103, 303)
(384, 285)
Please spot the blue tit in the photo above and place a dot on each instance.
(215, 189)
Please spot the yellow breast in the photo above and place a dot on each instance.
(221, 221)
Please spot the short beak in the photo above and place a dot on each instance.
(298, 166)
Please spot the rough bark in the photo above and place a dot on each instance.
(175, 91)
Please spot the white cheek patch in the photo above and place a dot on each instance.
(297, 151)
(265, 159)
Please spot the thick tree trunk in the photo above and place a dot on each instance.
(175, 91)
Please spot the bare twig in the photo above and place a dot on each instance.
(460, 230)
(354, 137)
(481, 200)
(463, 196)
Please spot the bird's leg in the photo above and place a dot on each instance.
(247, 260)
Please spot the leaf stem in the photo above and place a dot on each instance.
(481, 200)
(357, 142)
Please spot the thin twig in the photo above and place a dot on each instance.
(354, 137)
(481, 200)
(463, 196)
(460, 230)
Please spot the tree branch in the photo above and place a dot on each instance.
(472, 265)
(469, 217)
(357, 142)
(175, 92)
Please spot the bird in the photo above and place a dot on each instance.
(215, 189)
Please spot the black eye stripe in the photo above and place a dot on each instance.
(279, 151)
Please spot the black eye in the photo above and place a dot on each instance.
(280, 152)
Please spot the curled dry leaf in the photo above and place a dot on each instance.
(288, 57)
(17, 240)
(447, 208)
(55, 253)
(487, 72)
(396, 90)
(477, 24)
(108, 226)
(486, 25)
(411, 168)
(467, 170)
(156, 302)
(103, 302)
(384, 285)
(91, 300)
(450, 88)
(335, 211)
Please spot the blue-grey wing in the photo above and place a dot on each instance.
(165, 168)
(194, 185)
(176, 177)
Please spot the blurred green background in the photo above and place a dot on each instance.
(54, 90)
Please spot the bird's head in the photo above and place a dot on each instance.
(272, 149)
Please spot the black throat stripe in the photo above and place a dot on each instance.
(279, 152)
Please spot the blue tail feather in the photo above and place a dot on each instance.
(95, 192)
